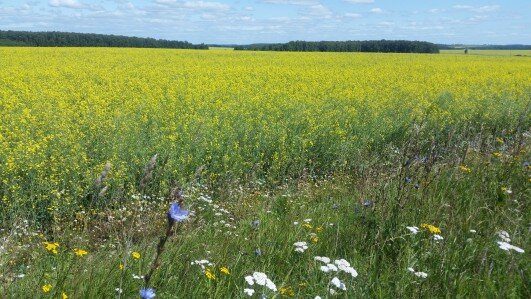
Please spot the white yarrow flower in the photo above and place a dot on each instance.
(437, 237)
(338, 284)
(506, 246)
(249, 292)
(249, 280)
(504, 236)
(323, 259)
(413, 229)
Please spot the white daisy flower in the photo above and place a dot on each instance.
(413, 229)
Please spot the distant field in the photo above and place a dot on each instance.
(490, 52)
(361, 175)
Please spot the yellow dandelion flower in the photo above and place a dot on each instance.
(319, 229)
(80, 252)
(497, 154)
(46, 288)
(307, 225)
(464, 169)
(64, 296)
(433, 229)
(210, 275)
(135, 255)
(121, 266)
(286, 291)
(499, 140)
(51, 247)
(314, 239)
(225, 270)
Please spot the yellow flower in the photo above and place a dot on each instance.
(64, 296)
(302, 285)
(224, 270)
(497, 154)
(135, 255)
(80, 252)
(431, 228)
(121, 266)
(465, 169)
(51, 247)
(499, 140)
(210, 275)
(314, 239)
(307, 225)
(47, 288)
(319, 229)
(287, 291)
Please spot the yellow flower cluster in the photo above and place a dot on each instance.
(433, 229)
(64, 117)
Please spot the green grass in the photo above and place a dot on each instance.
(373, 238)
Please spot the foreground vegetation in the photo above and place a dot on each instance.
(414, 169)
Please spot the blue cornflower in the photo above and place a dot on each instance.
(148, 293)
(258, 252)
(255, 223)
(408, 179)
(176, 214)
(368, 203)
(417, 185)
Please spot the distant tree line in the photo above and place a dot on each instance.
(67, 39)
(385, 46)
(484, 47)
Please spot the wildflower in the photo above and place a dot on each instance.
(52, 247)
(437, 237)
(506, 246)
(323, 259)
(338, 284)
(368, 203)
(431, 228)
(300, 246)
(319, 229)
(344, 266)
(506, 190)
(464, 169)
(418, 274)
(295, 223)
(417, 185)
(328, 268)
(176, 214)
(314, 239)
(497, 154)
(118, 290)
(148, 293)
(210, 275)
(260, 279)
(307, 225)
(135, 255)
(46, 288)
(224, 270)
(249, 292)
(249, 279)
(64, 295)
(80, 252)
(473, 231)
(138, 276)
(317, 297)
(255, 224)
(307, 220)
(504, 236)
(287, 291)
(499, 140)
(408, 180)
(413, 229)
(121, 266)
(258, 252)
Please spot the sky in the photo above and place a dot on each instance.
(264, 21)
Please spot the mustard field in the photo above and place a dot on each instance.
(94, 143)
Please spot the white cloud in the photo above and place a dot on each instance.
(479, 9)
(294, 2)
(359, 1)
(352, 15)
(204, 5)
(376, 10)
(65, 3)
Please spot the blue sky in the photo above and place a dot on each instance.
(234, 21)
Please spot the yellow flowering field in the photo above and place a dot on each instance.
(66, 112)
